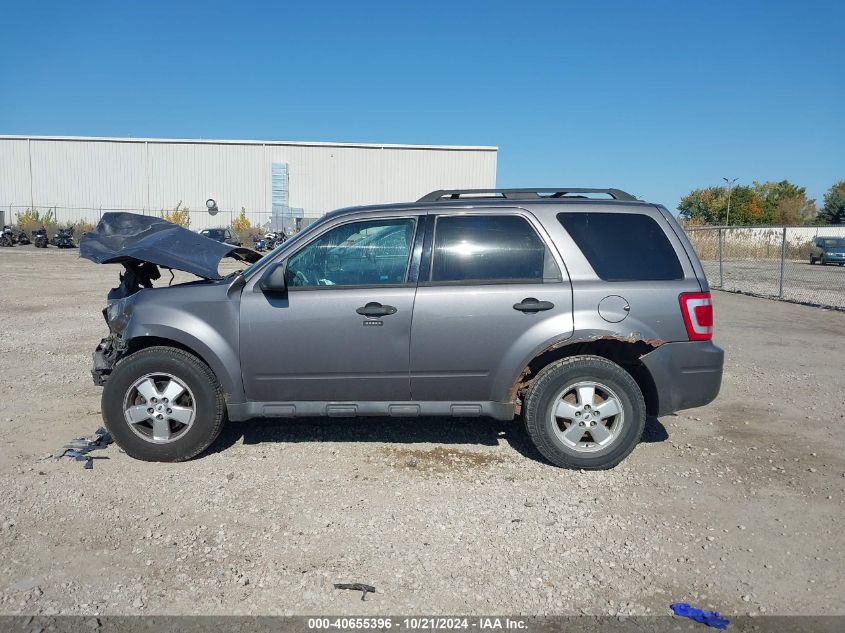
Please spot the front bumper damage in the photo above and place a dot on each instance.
(108, 352)
(142, 244)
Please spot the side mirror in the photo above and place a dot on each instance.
(274, 279)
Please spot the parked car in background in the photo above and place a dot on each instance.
(40, 238)
(63, 238)
(22, 238)
(7, 236)
(828, 250)
(223, 235)
(274, 238)
(580, 316)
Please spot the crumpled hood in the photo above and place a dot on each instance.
(127, 237)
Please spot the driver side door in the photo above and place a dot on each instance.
(341, 331)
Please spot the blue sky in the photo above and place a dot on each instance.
(653, 97)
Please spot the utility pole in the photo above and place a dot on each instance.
(731, 182)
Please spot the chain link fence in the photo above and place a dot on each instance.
(770, 262)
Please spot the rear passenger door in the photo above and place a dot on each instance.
(489, 288)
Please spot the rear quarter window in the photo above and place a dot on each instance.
(623, 246)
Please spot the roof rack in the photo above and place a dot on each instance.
(521, 194)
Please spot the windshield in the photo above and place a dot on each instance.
(215, 234)
(833, 242)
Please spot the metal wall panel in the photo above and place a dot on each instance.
(14, 176)
(87, 174)
(326, 178)
(194, 172)
(148, 175)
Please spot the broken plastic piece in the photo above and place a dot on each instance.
(356, 586)
(79, 448)
(712, 619)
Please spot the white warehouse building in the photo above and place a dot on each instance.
(82, 177)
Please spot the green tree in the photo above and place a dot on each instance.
(762, 203)
(704, 205)
(745, 206)
(710, 206)
(32, 219)
(784, 203)
(833, 211)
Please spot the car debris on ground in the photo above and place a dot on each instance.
(80, 448)
(356, 586)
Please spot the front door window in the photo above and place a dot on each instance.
(368, 253)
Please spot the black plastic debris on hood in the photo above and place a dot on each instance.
(128, 237)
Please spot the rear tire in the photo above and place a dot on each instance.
(178, 427)
(812, 260)
(555, 399)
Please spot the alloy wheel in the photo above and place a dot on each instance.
(587, 416)
(159, 408)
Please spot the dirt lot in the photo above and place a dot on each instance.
(737, 506)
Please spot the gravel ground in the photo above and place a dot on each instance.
(737, 506)
(802, 282)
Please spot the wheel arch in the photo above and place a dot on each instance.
(625, 352)
(231, 384)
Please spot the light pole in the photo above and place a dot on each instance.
(731, 182)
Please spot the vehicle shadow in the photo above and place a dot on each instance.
(446, 431)
(654, 431)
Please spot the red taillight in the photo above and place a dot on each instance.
(697, 309)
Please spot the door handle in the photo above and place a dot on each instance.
(532, 305)
(375, 309)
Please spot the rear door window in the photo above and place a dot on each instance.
(623, 246)
(490, 249)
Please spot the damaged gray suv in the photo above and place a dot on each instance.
(581, 311)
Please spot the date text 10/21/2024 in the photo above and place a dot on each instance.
(417, 623)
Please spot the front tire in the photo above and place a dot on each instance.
(163, 404)
(585, 412)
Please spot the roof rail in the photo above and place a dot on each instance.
(521, 194)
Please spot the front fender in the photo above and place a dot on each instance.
(208, 328)
(216, 354)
